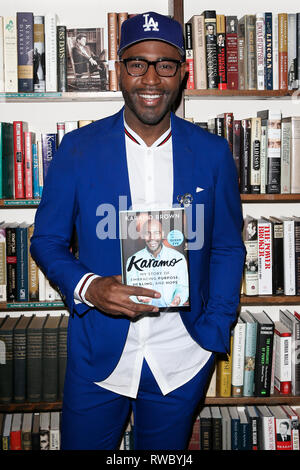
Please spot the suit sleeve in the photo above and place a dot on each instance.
(54, 224)
(226, 260)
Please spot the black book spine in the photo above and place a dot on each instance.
(297, 255)
(210, 21)
(11, 260)
(254, 432)
(277, 262)
(245, 156)
(6, 367)
(220, 129)
(62, 359)
(62, 58)
(25, 52)
(236, 145)
(205, 434)
(34, 364)
(50, 365)
(19, 355)
(216, 434)
(263, 360)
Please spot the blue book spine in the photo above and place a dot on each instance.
(25, 52)
(35, 172)
(22, 264)
(48, 149)
(269, 51)
(245, 436)
(250, 350)
(235, 434)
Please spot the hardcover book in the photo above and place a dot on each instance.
(87, 68)
(39, 71)
(283, 358)
(154, 255)
(25, 51)
(232, 52)
(210, 22)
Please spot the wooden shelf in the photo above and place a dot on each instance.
(18, 203)
(56, 305)
(270, 300)
(275, 399)
(242, 94)
(30, 407)
(60, 97)
(265, 198)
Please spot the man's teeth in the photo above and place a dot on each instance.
(150, 97)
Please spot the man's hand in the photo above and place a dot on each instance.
(111, 296)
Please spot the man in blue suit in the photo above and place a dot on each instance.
(124, 356)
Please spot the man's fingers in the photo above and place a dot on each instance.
(142, 292)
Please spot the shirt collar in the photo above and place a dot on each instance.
(137, 139)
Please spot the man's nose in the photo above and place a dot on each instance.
(151, 76)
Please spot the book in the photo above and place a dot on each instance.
(297, 254)
(235, 428)
(26, 441)
(35, 433)
(255, 155)
(268, 51)
(224, 370)
(216, 425)
(10, 54)
(260, 50)
(221, 52)
(15, 432)
(250, 69)
(62, 354)
(275, 51)
(3, 278)
(285, 176)
(189, 53)
(154, 255)
(293, 323)
(232, 52)
(22, 262)
(49, 145)
(2, 85)
(283, 359)
(86, 60)
(238, 356)
(34, 358)
(253, 418)
(294, 420)
(242, 69)
(210, 26)
(265, 253)
(50, 358)
(250, 238)
(245, 436)
(19, 127)
(283, 50)
(62, 83)
(267, 439)
(292, 51)
(7, 160)
(199, 51)
(112, 30)
(250, 351)
(45, 430)
(277, 256)
(50, 24)
(264, 353)
(11, 261)
(25, 51)
(28, 141)
(6, 431)
(289, 255)
(282, 428)
(19, 359)
(39, 68)
(194, 442)
(205, 429)
(54, 435)
(263, 158)
(245, 163)
(33, 270)
(6, 362)
(294, 152)
(226, 428)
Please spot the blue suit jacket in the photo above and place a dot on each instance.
(82, 188)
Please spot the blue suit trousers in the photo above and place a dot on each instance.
(94, 418)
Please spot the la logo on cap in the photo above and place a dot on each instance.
(150, 23)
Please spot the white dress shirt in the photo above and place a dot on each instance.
(162, 340)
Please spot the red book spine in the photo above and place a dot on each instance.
(190, 61)
(232, 61)
(18, 159)
(15, 440)
(28, 165)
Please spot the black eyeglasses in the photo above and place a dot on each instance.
(137, 67)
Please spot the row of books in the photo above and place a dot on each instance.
(41, 431)
(21, 280)
(265, 149)
(263, 357)
(246, 428)
(255, 52)
(34, 357)
(272, 264)
(25, 157)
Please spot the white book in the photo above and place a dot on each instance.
(263, 159)
(42, 286)
(226, 428)
(285, 170)
(238, 358)
(54, 430)
(275, 51)
(260, 50)
(264, 234)
(50, 293)
(289, 255)
(2, 87)
(44, 430)
(283, 358)
(267, 424)
(294, 419)
(51, 52)
(60, 130)
(292, 50)
(70, 126)
(211, 390)
(10, 55)
(293, 323)
(282, 428)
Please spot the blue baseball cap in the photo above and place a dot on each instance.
(150, 26)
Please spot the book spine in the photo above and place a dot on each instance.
(275, 52)
(274, 156)
(251, 262)
(22, 264)
(2, 83)
(236, 145)
(289, 257)
(277, 261)
(34, 365)
(285, 180)
(11, 264)
(15, 440)
(62, 359)
(260, 51)
(19, 160)
(211, 49)
(48, 150)
(10, 54)
(19, 363)
(194, 442)
(33, 275)
(245, 165)
(294, 152)
(268, 433)
(263, 360)
(254, 429)
(297, 257)
(232, 53)
(235, 435)
(216, 434)
(51, 52)
(255, 154)
(238, 352)
(298, 50)
(292, 51)
(250, 38)
(6, 366)
(205, 434)
(269, 51)
(7, 160)
(199, 51)
(283, 50)
(35, 172)
(264, 258)
(249, 363)
(2, 157)
(112, 22)
(39, 83)
(25, 52)
(224, 371)
(3, 295)
(28, 164)
(189, 55)
(62, 58)
(283, 362)
(263, 158)
(40, 165)
(241, 55)
(221, 52)
(50, 371)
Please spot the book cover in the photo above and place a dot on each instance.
(25, 51)
(34, 358)
(62, 83)
(29, 138)
(86, 60)
(49, 146)
(54, 443)
(255, 154)
(245, 164)
(10, 54)
(289, 267)
(282, 428)
(50, 22)
(45, 430)
(39, 68)
(285, 170)
(283, 358)
(283, 50)
(221, 52)
(210, 25)
(238, 357)
(265, 257)
(154, 255)
(112, 32)
(253, 417)
(277, 256)
(292, 322)
(6, 363)
(15, 432)
(189, 53)
(260, 50)
(250, 352)
(50, 359)
(19, 359)
(250, 238)
(22, 262)
(268, 51)
(267, 438)
(199, 51)
(11, 262)
(62, 354)
(232, 52)
(19, 127)
(7, 159)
